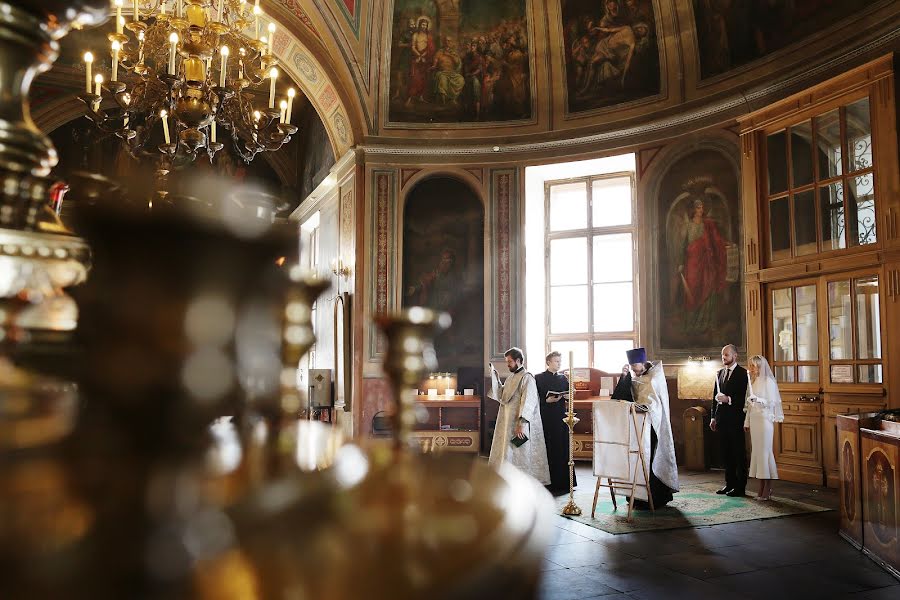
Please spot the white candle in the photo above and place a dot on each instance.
(283, 107)
(173, 43)
(88, 59)
(165, 121)
(274, 75)
(271, 36)
(222, 70)
(141, 47)
(115, 60)
(162, 7)
(212, 130)
(221, 12)
(180, 8)
(571, 378)
(290, 104)
(136, 13)
(98, 81)
(118, 4)
(256, 12)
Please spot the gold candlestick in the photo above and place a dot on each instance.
(571, 509)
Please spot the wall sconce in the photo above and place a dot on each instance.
(339, 268)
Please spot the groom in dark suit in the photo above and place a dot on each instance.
(729, 393)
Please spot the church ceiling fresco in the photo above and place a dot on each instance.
(611, 52)
(732, 33)
(459, 61)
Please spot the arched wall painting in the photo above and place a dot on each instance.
(612, 55)
(459, 61)
(443, 265)
(734, 33)
(698, 253)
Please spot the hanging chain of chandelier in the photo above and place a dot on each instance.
(186, 69)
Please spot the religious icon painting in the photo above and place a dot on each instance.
(611, 52)
(460, 61)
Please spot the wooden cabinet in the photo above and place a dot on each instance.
(798, 440)
(841, 404)
(452, 424)
(821, 200)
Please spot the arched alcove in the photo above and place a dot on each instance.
(443, 265)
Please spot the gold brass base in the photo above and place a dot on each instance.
(571, 509)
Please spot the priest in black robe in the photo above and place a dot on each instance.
(556, 432)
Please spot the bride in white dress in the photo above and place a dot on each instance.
(763, 408)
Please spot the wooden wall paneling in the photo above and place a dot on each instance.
(884, 141)
(798, 443)
(890, 302)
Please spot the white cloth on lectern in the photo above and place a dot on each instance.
(649, 390)
(616, 442)
(531, 456)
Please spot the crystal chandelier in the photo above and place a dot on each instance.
(187, 68)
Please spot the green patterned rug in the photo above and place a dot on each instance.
(695, 505)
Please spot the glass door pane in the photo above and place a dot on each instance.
(869, 373)
(776, 161)
(808, 374)
(828, 144)
(868, 318)
(805, 222)
(859, 135)
(783, 325)
(807, 327)
(840, 332)
(611, 201)
(862, 209)
(801, 154)
(784, 374)
(831, 209)
(780, 228)
(568, 206)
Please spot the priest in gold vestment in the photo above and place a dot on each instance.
(519, 418)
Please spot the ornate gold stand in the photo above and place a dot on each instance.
(571, 509)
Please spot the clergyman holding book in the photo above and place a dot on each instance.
(553, 392)
(519, 433)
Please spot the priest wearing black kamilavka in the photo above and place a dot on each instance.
(556, 432)
(644, 383)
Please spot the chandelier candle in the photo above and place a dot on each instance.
(212, 131)
(115, 60)
(98, 81)
(119, 17)
(221, 12)
(88, 59)
(283, 108)
(271, 36)
(222, 70)
(165, 121)
(136, 13)
(274, 75)
(173, 43)
(290, 104)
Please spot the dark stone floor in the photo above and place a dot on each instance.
(795, 557)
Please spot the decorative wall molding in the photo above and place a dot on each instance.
(382, 211)
(505, 234)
